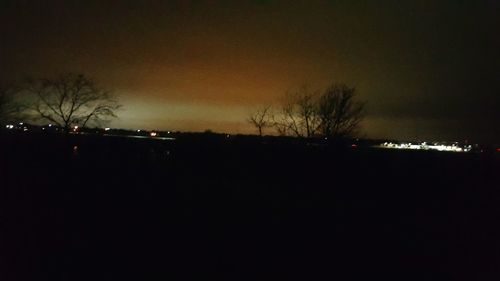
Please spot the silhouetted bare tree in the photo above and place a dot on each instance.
(261, 119)
(338, 111)
(298, 114)
(305, 113)
(71, 100)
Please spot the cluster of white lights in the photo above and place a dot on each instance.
(10, 127)
(425, 146)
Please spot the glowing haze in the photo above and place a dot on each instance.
(426, 70)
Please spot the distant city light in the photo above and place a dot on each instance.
(9, 126)
(50, 125)
(21, 123)
(424, 146)
(138, 131)
(153, 134)
(107, 129)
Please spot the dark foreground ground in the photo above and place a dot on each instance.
(131, 209)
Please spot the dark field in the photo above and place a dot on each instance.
(236, 209)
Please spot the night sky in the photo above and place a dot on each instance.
(426, 70)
